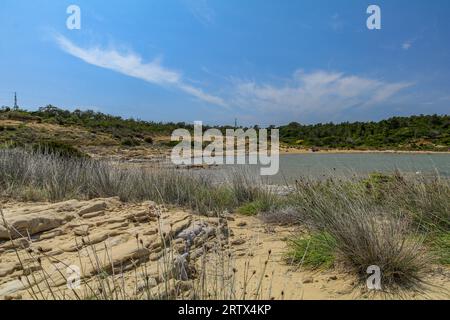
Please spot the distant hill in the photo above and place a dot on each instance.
(82, 128)
(79, 128)
(399, 133)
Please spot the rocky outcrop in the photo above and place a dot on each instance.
(101, 238)
(28, 221)
(123, 251)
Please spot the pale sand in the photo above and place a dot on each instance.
(310, 285)
(109, 223)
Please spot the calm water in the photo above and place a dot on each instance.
(322, 165)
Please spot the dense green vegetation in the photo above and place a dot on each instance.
(409, 133)
(424, 132)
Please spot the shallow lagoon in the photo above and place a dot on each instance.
(321, 165)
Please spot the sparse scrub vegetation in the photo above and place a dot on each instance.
(428, 133)
(398, 223)
(285, 214)
(385, 221)
(57, 178)
(130, 142)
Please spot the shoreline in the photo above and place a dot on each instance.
(284, 151)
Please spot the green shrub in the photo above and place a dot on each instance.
(250, 209)
(56, 148)
(59, 149)
(130, 142)
(377, 179)
(314, 252)
(169, 144)
(440, 247)
(148, 140)
(366, 233)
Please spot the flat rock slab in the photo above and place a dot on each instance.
(103, 237)
(28, 221)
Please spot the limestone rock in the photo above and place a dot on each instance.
(6, 269)
(93, 214)
(92, 207)
(11, 287)
(237, 242)
(81, 231)
(308, 279)
(51, 234)
(16, 244)
(124, 254)
(23, 225)
(102, 237)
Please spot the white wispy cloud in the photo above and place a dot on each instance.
(201, 10)
(319, 93)
(132, 65)
(407, 45)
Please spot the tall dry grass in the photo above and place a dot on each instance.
(386, 221)
(28, 175)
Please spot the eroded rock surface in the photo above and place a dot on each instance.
(120, 250)
(142, 244)
(30, 220)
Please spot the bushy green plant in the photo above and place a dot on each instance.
(130, 142)
(314, 251)
(440, 247)
(59, 148)
(366, 233)
(250, 209)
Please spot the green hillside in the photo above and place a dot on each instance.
(402, 133)
(424, 132)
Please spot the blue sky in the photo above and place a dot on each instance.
(261, 61)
